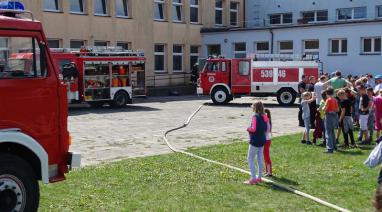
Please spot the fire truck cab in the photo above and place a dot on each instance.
(34, 137)
(225, 79)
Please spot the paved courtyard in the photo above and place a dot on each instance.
(107, 134)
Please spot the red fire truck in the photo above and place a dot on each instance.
(225, 79)
(34, 137)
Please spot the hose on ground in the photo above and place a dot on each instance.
(284, 187)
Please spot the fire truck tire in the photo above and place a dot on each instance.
(121, 98)
(286, 96)
(19, 189)
(220, 96)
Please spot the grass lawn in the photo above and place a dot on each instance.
(176, 182)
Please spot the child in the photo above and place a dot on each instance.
(346, 119)
(257, 132)
(378, 115)
(307, 99)
(371, 119)
(267, 146)
(331, 120)
(321, 112)
(364, 107)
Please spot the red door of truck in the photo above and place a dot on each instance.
(241, 76)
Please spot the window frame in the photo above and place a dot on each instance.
(56, 40)
(340, 46)
(194, 54)
(58, 4)
(315, 12)
(373, 45)
(101, 41)
(175, 5)
(194, 6)
(236, 11)
(306, 51)
(178, 54)
(84, 43)
(160, 2)
(160, 54)
(352, 18)
(261, 51)
(248, 68)
(221, 10)
(106, 9)
(118, 43)
(282, 51)
(377, 8)
(126, 10)
(282, 22)
(238, 52)
(83, 7)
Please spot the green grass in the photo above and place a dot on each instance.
(176, 182)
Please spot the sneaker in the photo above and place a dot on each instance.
(259, 180)
(308, 142)
(269, 175)
(365, 143)
(303, 141)
(353, 146)
(328, 152)
(251, 182)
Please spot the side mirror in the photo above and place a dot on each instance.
(43, 59)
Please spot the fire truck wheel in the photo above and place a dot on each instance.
(220, 96)
(286, 96)
(19, 189)
(121, 98)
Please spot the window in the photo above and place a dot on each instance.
(286, 18)
(351, 13)
(77, 6)
(213, 50)
(121, 8)
(194, 55)
(159, 54)
(311, 47)
(51, 5)
(379, 11)
(234, 13)
(20, 57)
(315, 16)
(371, 45)
(177, 10)
(124, 45)
(177, 58)
(159, 10)
(101, 7)
(194, 11)
(244, 68)
(54, 43)
(77, 44)
(338, 46)
(240, 50)
(262, 47)
(101, 43)
(218, 12)
(286, 47)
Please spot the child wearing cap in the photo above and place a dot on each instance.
(257, 133)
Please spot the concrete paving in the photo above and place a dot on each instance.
(108, 134)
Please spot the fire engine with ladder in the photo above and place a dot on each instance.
(258, 75)
(34, 137)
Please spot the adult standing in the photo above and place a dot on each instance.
(312, 105)
(378, 84)
(318, 88)
(301, 90)
(337, 82)
(370, 81)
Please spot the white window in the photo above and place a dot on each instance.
(286, 47)
(379, 11)
(276, 19)
(311, 47)
(122, 8)
(77, 6)
(159, 10)
(315, 16)
(194, 55)
(101, 43)
(177, 58)
(177, 7)
(101, 7)
(159, 54)
(52, 5)
(262, 47)
(214, 50)
(234, 13)
(371, 45)
(218, 12)
(77, 44)
(338, 46)
(240, 50)
(54, 43)
(355, 13)
(124, 45)
(194, 11)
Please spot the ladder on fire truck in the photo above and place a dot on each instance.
(109, 51)
(283, 57)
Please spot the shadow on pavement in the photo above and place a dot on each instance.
(84, 109)
(246, 105)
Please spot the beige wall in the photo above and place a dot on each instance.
(139, 29)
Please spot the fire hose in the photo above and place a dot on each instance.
(284, 187)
